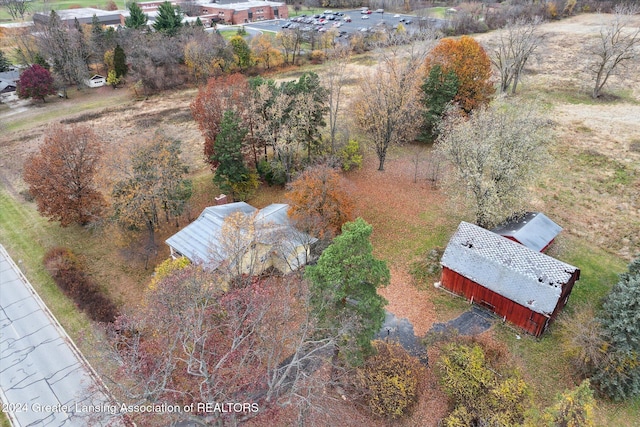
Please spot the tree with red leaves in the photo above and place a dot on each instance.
(194, 340)
(221, 94)
(319, 202)
(35, 82)
(61, 175)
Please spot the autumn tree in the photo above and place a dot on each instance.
(169, 19)
(481, 394)
(388, 104)
(516, 43)
(241, 52)
(616, 45)
(61, 175)
(251, 344)
(494, 153)
(288, 117)
(155, 182)
(35, 82)
(136, 19)
(574, 408)
(265, 53)
(390, 381)
(471, 65)
(319, 202)
(343, 286)
(224, 93)
(291, 43)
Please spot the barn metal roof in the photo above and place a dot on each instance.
(199, 240)
(530, 278)
(534, 230)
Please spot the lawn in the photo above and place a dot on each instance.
(46, 6)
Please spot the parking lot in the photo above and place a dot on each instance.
(358, 22)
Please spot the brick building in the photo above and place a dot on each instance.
(243, 12)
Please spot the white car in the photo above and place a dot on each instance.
(365, 16)
(396, 16)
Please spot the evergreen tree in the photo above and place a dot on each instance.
(5, 65)
(228, 153)
(119, 62)
(83, 49)
(137, 19)
(169, 19)
(39, 60)
(439, 90)
(343, 286)
(620, 378)
(198, 23)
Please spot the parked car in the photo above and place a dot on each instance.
(365, 16)
(347, 19)
(379, 10)
(408, 21)
(396, 16)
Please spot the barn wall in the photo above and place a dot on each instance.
(527, 319)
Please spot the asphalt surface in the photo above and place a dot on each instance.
(44, 380)
(472, 322)
(356, 24)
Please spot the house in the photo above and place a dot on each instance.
(9, 84)
(523, 286)
(260, 239)
(533, 229)
(96, 81)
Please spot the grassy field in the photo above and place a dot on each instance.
(41, 6)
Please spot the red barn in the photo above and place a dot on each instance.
(524, 286)
(532, 229)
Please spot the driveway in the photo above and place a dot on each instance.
(472, 322)
(43, 377)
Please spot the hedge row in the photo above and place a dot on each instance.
(68, 273)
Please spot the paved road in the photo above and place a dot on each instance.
(43, 376)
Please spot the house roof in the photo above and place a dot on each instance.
(6, 86)
(11, 76)
(534, 230)
(530, 278)
(199, 240)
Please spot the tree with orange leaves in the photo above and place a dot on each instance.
(225, 93)
(61, 175)
(319, 202)
(472, 67)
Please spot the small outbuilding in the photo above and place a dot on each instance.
(96, 81)
(532, 229)
(521, 285)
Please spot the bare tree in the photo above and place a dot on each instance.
(16, 8)
(494, 154)
(517, 42)
(335, 80)
(616, 45)
(388, 105)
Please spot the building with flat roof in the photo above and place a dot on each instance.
(84, 15)
(243, 12)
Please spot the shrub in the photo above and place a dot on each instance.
(390, 380)
(428, 266)
(245, 189)
(165, 268)
(68, 273)
(350, 155)
(272, 172)
(317, 57)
